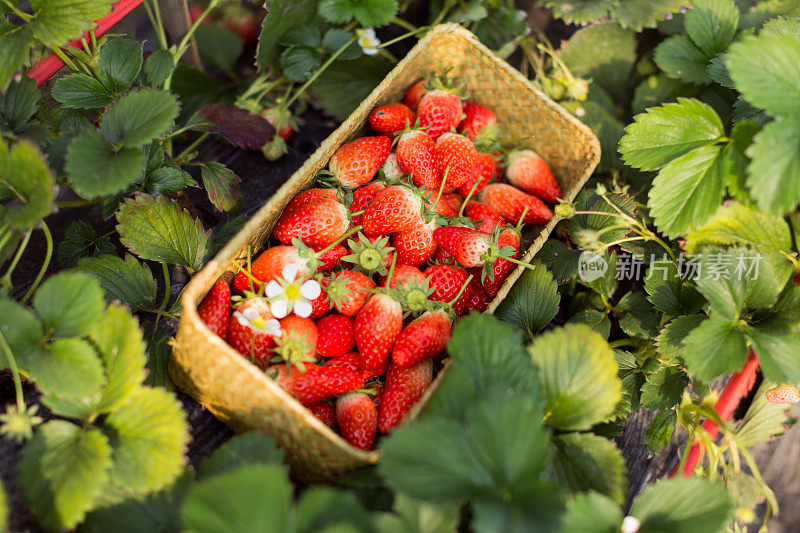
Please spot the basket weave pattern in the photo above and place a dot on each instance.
(240, 394)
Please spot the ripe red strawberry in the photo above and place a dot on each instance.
(510, 203)
(362, 197)
(336, 335)
(485, 170)
(417, 157)
(396, 208)
(351, 361)
(403, 276)
(313, 383)
(488, 217)
(443, 257)
(476, 118)
(282, 120)
(241, 21)
(357, 419)
(390, 118)
(783, 394)
(415, 247)
(528, 171)
(348, 290)
(403, 388)
(269, 265)
(477, 300)
(310, 196)
(215, 310)
(467, 246)
(446, 281)
(376, 398)
(424, 338)
(456, 156)
(329, 259)
(253, 329)
(442, 207)
(322, 305)
(325, 412)
(356, 162)
(298, 339)
(439, 110)
(454, 200)
(501, 268)
(391, 168)
(317, 224)
(414, 94)
(377, 325)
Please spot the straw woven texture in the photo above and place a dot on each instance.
(240, 394)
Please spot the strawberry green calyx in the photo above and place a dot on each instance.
(444, 82)
(414, 295)
(368, 257)
(294, 349)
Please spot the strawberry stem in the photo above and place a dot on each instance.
(391, 271)
(521, 221)
(460, 292)
(340, 239)
(471, 192)
(441, 189)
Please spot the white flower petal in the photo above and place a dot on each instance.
(279, 308)
(311, 289)
(250, 313)
(273, 289)
(241, 318)
(289, 272)
(273, 327)
(302, 308)
(630, 524)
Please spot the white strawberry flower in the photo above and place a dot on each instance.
(287, 293)
(253, 315)
(630, 524)
(368, 41)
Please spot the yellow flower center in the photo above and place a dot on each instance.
(292, 292)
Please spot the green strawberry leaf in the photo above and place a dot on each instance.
(95, 169)
(81, 241)
(62, 471)
(668, 292)
(56, 21)
(657, 89)
(711, 24)
(69, 368)
(634, 370)
(586, 462)
(777, 352)
(532, 302)
(15, 45)
(325, 509)
(222, 185)
(782, 26)
(239, 452)
(718, 72)
(158, 66)
(300, 62)
(139, 117)
(664, 388)
(637, 316)
(342, 86)
(578, 372)
(282, 16)
(334, 39)
(636, 15)
(561, 261)
(680, 59)
(18, 103)
(25, 178)
(597, 320)
(763, 420)
(22, 331)
(773, 176)
(219, 46)
(126, 280)
(119, 64)
(670, 341)
(368, 13)
(591, 512)
(158, 229)
(159, 352)
(683, 504)
(660, 431)
(601, 225)
(69, 304)
(413, 515)
(737, 225)
(713, 348)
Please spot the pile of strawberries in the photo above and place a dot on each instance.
(412, 228)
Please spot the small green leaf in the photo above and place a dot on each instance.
(782, 26)
(239, 452)
(255, 498)
(69, 304)
(120, 62)
(334, 39)
(635, 15)
(119, 340)
(711, 24)
(166, 180)
(671, 339)
(660, 431)
(604, 228)
(81, 241)
(300, 62)
(607, 283)
(668, 292)
(413, 515)
(70, 369)
(763, 420)
(597, 320)
(664, 133)
(683, 505)
(774, 174)
(664, 388)
(532, 302)
(680, 59)
(158, 229)
(282, 16)
(713, 348)
(586, 462)
(24, 177)
(219, 46)
(22, 331)
(3, 508)
(148, 435)
(501, 29)
(561, 261)
(62, 471)
(766, 70)
(302, 35)
(369, 13)
(718, 72)
(777, 353)
(578, 372)
(139, 117)
(96, 170)
(15, 46)
(158, 67)
(737, 225)
(342, 86)
(688, 190)
(59, 20)
(126, 280)
(591, 512)
(159, 352)
(637, 317)
(222, 185)
(18, 103)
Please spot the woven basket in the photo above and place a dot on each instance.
(240, 394)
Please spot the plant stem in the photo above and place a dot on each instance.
(319, 71)
(78, 203)
(48, 255)
(154, 13)
(12, 364)
(179, 160)
(21, 14)
(6, 279)
(471, 192)
(183, 46)
(65, 58)
(404, 24)
(165, 301)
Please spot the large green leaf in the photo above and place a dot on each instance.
(326, 509)
(219, 46)
(25, 178)
(680, 59)
(688, 190)
(532, 302)
(15, 46)
(126, 280)
(763, 420)
(139, 117)
(636, 15)
(95, 169)
(62, 471)
(18, 103)
(670, 341)
(586, 462)
(664, 388)
(71, 369)
(418, 517)
(591, 512)
(22, 331)
(255, 498)
(368, 13)
(713, 348)
(158, 67)
(59, 20)
(241, 451)
(663, 133)
(735, 224)
(711, 24)
(683, 505)
(79, 241)
(119, 64)
(148, 435)
(69, 304)
(604, 52)
(773, 176)
(282, 16)
(578, 373)
(597, 320)
(637, 316)
(777, 352)
(158, 229)
(119, 341)
(668, 292)
(766, 70)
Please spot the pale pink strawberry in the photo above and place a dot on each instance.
(783, 394)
